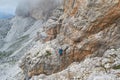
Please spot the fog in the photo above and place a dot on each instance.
(44, 7)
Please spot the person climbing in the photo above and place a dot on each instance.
(60, 51)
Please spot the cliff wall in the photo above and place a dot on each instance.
(86, 27)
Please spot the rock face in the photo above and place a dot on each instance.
(85, 28)
(25, 32)
(95, 68)
(81, 28)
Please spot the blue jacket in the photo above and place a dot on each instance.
(60, 52)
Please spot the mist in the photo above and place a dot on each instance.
(8, 6)
(42, 7)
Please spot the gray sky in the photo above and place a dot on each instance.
(8, 6)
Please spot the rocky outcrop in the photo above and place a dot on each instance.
(85, 28)
(95, 68)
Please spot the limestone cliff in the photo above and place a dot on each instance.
(86, 27)
(88, 31)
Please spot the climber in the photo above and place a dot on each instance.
(60, 51)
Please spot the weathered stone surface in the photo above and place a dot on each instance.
(89, 69)
(53, 31)
(87, 27)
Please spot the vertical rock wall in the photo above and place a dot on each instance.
(87, 27)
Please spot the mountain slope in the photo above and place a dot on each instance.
(86, 30)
